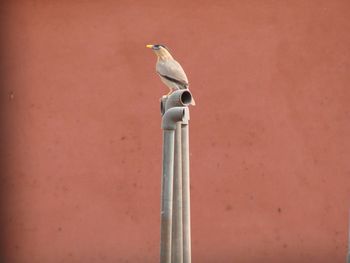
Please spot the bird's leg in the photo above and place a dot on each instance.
(171, 91)
(165, 96)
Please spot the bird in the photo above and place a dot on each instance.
(169, 70)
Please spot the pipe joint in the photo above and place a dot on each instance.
(174, 115)
(178, 98)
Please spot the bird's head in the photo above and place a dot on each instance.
(161, 51)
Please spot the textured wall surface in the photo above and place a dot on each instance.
(81, 139)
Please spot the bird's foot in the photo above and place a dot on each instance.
(163, 97)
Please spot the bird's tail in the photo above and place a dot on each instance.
(193, 103)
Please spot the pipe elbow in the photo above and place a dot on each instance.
(174, 115)
(178, 98)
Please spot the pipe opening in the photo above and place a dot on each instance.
(186, 97)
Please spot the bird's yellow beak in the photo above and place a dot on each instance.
(149, 46)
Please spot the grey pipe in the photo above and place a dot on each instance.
(174, 115)
(178, 98)
(186, 193)
(169, 120)
(167, 196)
(177, 238)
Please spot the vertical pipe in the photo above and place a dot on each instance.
(167, 196)
(186, 194)
(177, 241)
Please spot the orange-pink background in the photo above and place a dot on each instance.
(81, 141)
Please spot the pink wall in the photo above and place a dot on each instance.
(81, 150)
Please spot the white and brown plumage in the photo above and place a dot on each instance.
(169, 70)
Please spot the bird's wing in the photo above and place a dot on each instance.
(172, 70)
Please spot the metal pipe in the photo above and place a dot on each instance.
(178, 98)
(186, 193)
(169, 122)
(174, 115)
(167, 196)
(177, 238)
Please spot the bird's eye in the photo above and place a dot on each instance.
(156, 46)
(165, 47)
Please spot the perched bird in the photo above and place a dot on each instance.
(169, 70)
